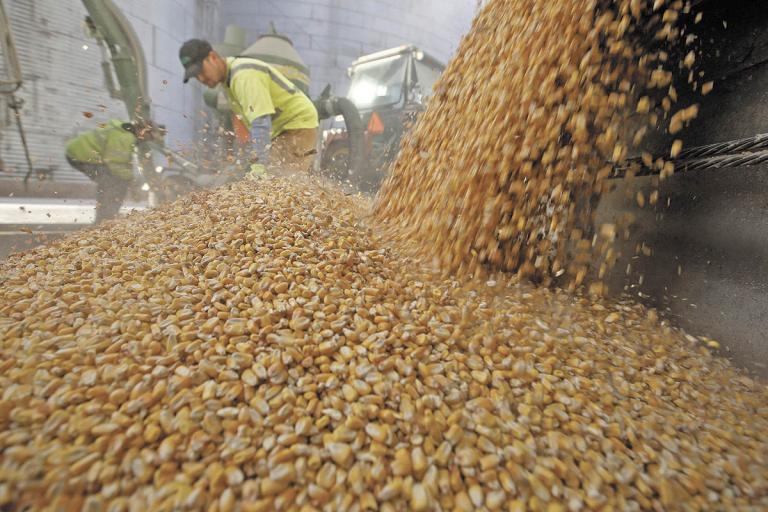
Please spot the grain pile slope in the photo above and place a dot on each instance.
(516, 140)
(255, 348)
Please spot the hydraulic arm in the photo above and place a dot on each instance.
(119, 44)
(123, 55)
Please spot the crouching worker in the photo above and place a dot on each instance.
(282, 121)
(105, 155)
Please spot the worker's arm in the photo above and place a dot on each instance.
(250, 89)
(261, 134)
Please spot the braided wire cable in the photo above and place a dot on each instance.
(736, 153)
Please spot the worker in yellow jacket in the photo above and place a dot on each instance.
(105, 155)
(282, 121)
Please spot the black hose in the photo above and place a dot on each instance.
(356, 132)
(334, 106)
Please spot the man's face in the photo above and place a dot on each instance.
(211, 74)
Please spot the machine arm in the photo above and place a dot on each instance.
(112, 30)
(11, 83)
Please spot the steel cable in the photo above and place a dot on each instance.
(736, 153)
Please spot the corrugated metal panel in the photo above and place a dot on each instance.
(61, 81)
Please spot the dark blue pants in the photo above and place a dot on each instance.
(110, 190)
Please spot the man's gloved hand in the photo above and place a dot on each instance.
(256, 172)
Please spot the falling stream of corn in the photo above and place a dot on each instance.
(274, 346)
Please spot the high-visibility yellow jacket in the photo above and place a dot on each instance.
(111, 146)
(255, 89)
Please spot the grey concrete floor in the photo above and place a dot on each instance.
(18, 241)
(707, 270)
(47, 219)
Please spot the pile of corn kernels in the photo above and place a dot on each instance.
(524, 128)
(258, 348)
(265, 347)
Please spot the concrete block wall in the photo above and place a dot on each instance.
(330, 34)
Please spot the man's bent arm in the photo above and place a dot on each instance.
(261, 132)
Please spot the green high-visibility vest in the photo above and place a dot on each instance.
(255, 89)
(111, 145)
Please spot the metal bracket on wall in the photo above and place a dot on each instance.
(15, 104)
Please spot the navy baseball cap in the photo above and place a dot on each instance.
(192, 54)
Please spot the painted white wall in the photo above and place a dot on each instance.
(330, 34)
(162, 27)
